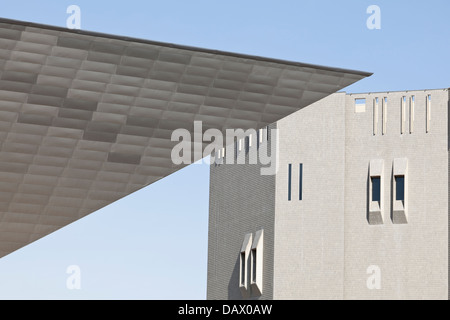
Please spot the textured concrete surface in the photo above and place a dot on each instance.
(309, 234)
(412, 257)
(241, 201)
(324, 246)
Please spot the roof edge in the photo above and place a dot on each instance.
(395, 91)
(183, 47)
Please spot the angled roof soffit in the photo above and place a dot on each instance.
(86, 118)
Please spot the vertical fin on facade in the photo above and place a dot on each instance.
(375, 116)
(256, 271)
(244, 258)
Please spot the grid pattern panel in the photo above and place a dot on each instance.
(86, 118)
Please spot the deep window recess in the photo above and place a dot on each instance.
(375, 192)
(400, 191)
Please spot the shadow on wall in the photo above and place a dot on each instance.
(234, 292)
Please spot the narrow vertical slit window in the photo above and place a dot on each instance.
(267, 133)
(412, 101)
(254, 262)
(403, 119)
(384, 116)
(289, 182)
(375, 116)
(428, 113)
(300, 185)
(243, 268)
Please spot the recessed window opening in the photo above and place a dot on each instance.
(428, 113)
(243, 268)
(360, 105)
(403, 115)
(400, 188)
(375, 116)
(300, 187)
(411, 114)
(289, 182)
(254, 265)
(376, 189)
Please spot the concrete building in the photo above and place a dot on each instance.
(358, 209)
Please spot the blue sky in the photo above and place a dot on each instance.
(153, 244)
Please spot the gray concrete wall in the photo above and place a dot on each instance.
(322, 246)
(241, 201)
(309, 234)
(412, 257)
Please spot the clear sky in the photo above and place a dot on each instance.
(153, 244)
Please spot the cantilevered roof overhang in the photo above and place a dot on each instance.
(86, 118)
